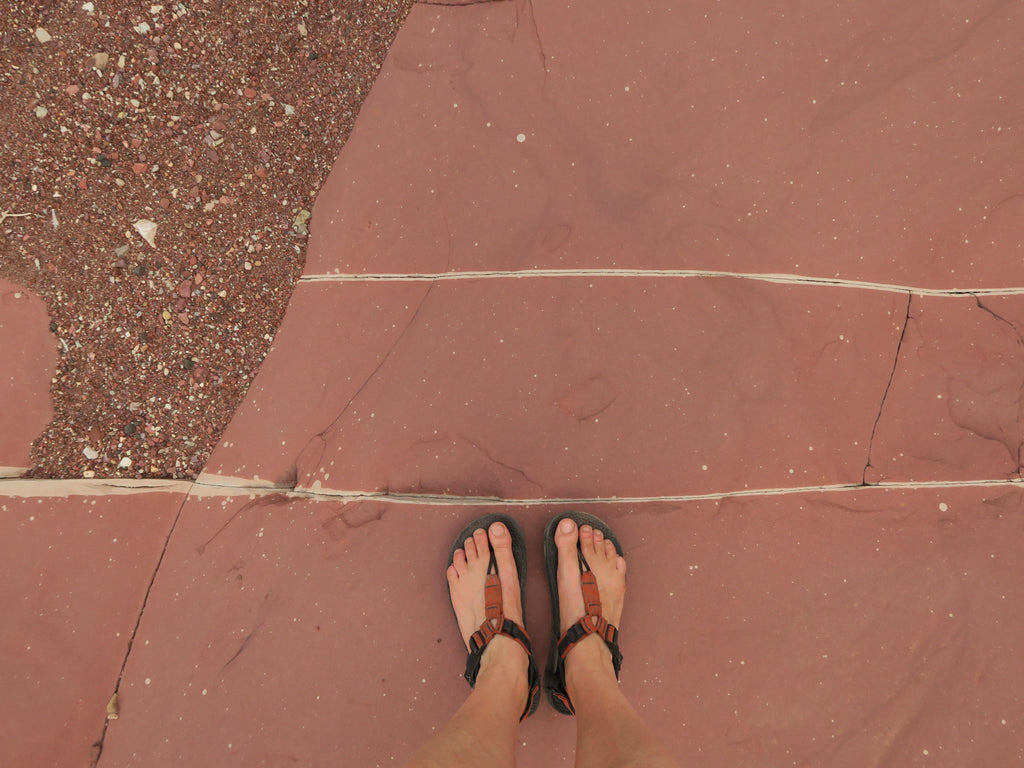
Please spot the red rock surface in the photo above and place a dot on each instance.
(77, 566)
(788, 253)
(29, 356)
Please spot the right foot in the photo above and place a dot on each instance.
(609, 570)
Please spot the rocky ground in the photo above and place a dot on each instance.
(160, 162)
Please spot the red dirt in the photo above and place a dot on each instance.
(218, 122)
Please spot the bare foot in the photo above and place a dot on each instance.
(610, 571)
(466, 578)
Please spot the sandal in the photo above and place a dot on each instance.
(492, 598)
(591, 623)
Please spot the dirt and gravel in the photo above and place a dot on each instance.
(160, 161)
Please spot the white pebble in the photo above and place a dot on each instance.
(90, 453)
(521, 138)
(42, 111)
(42, 35)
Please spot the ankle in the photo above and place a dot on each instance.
(507, 666)
(589, 661)
(505, 662)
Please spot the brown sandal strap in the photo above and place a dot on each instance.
(592, 623)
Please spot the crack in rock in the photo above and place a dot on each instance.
(888, 386)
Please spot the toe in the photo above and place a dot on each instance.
(508, 574)
(458, 564)
(570, 595)
(566, 537)
(482, 546)
(587, 542)
(609, 549)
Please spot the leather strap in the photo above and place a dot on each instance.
(497, 624)
(592, 623)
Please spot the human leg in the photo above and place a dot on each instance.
(608, 730)
(483, 730)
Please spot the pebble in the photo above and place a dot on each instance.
(42, 111)
(90, 453)
(42, 35)
(299, 225)
(100, 60)
(147, 229)
(124, 463)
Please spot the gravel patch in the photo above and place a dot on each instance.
(160, 163)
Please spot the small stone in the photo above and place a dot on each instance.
(521, 138)
(166, 315)
(289, 109)
(299, 225)
(90, 453)
(100, 60)
(302, 30)
(88, 474)
(185, 288)
(249, 92)
(88, 7)
(42, 111)
(71, 90)
(147, 229)
(142, 28)
(124, 463)
(121, 251)
(139, 168)
(42, 35)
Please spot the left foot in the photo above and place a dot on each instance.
(466, 578)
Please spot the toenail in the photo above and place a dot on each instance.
(498, 530)
(567, 526)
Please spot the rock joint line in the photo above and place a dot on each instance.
(783, 279)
